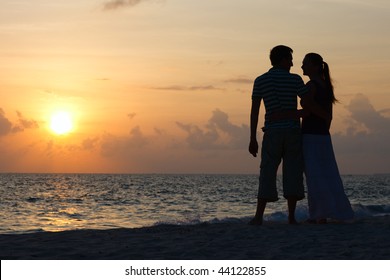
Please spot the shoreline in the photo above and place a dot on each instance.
(364, 239)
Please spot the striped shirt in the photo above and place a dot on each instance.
(279, 89)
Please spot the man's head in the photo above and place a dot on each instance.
(281, 56)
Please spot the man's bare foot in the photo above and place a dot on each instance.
(292, 221)
(256, 222)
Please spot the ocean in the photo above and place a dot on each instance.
(58, 202)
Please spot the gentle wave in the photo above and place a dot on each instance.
(57, 202)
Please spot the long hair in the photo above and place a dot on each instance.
(324, 71)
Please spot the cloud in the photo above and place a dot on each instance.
(117, 4)
(24, 123)
(7, 127)
(189, 88)
(219, 133)
(384, 111)
(364, 147)
(5, 124)
(205, 148)
(199, 139)
(240, 81)
(364, 113)
(137, 152)
(131, 115)
(113, 145)
(89, 143)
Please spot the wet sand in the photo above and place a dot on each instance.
(364, 239)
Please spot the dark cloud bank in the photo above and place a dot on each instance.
(362, 148)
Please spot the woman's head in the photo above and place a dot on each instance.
(313, 64)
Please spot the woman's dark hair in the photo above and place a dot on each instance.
(317, 60)
(279, 53)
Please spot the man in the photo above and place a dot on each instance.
(278, 89)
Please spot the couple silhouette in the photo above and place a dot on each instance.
(304, 148)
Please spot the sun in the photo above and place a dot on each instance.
(61, 123)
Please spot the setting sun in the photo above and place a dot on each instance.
(61, 123)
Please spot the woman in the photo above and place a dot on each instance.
(325, 190)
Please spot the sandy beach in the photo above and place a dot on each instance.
(366, 239)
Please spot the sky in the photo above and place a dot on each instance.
(164, 86)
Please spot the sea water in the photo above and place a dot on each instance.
(57, 202)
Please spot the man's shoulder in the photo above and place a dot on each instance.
(263, 76)
(296, 76)
(278, 75)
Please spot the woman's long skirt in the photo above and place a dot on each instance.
(325, 190)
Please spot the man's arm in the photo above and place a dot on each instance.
(255, 109)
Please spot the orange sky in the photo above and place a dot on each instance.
(164, 85)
